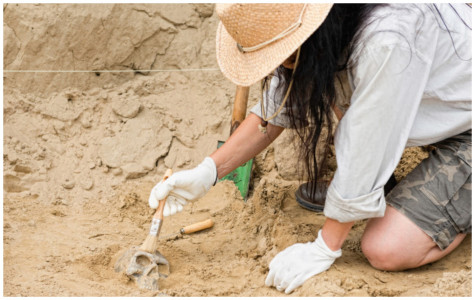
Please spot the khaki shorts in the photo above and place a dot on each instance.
(437, 194)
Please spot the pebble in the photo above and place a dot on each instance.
(13, 157)
(68, 183)
(79, 153)
(87, 183)
(86, 123)
(94, 91)
(48, 164)
(117, 171)
(83, 141)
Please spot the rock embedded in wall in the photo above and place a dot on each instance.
(151, 141)
(11, 45)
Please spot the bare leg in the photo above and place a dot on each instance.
(395, 243)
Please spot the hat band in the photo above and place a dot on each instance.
(284, 33)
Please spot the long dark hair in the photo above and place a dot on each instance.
(324, 54)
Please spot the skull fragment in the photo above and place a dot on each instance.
(144, 268)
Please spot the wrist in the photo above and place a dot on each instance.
(211, 166)
(334, 233)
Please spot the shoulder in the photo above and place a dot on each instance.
(417, 29)
(414, 24)
(397, 24)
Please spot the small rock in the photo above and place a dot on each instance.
(12, 157)
(117, 171)
(103, 94)
(58, 213)
(127, 108)
(87, 183)
(83, 142)
(133, 171)
(68, 183)
(91, 165)
(205, 10)
(58, 125)
(86, 123)
(79, 153)
(22, 169)
(48, 164)
(94, 91)
(262, 245)
(115, 182)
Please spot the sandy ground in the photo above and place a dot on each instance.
(80, 161)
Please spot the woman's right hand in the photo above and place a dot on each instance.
(184, 186)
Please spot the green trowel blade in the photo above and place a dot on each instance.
(241, 176)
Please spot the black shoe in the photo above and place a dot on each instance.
(305, 199)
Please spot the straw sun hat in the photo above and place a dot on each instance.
(254, 39)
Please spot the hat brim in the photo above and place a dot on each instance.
(248, 68)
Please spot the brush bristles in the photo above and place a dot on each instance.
(150, 244)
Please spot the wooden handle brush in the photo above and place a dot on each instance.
(151, 242)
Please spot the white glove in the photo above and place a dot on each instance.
(290, 268)
(184, 186)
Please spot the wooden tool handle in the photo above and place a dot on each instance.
(161, 203)
(197, 226)
(240, 106)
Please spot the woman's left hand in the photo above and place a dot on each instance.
(292, 267)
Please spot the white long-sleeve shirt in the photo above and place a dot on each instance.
(411, 87)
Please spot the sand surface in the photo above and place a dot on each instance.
(83, 150)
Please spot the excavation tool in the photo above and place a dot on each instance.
(242, 174)
(190, 229)
(145, 264)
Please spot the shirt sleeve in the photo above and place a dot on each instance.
(388, 82)
(272, 100)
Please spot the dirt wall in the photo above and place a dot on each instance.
(79, 37)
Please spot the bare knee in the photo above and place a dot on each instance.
(382, 254)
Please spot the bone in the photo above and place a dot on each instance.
(143, 268)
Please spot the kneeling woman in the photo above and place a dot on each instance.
(409, 69)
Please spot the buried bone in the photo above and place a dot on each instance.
(143, 267)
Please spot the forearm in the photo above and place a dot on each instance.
(245, 143)
(334, 233)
